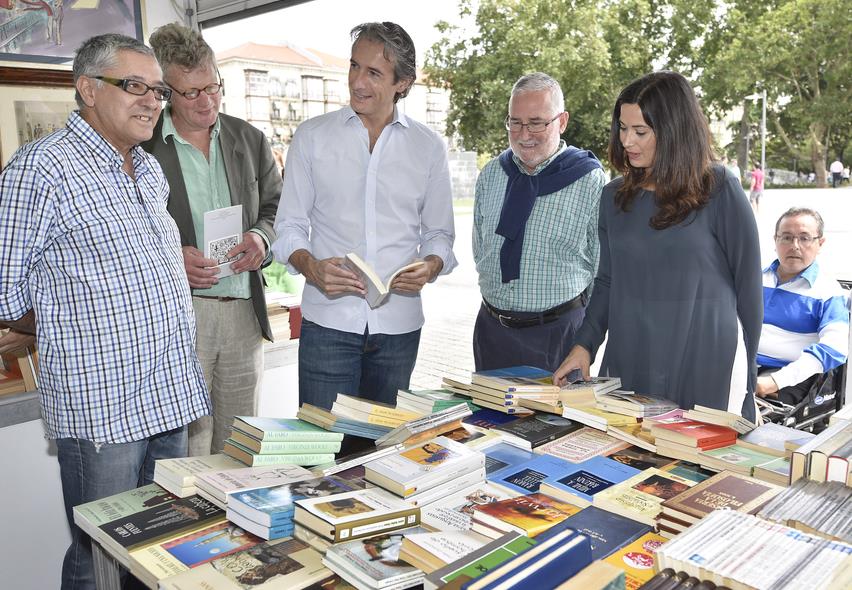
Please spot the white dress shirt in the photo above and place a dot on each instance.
(389, 206)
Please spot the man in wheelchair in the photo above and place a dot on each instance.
(805, 336)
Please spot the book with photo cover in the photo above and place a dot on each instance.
(359, 513)
(580, 484)
(454, 512)
(736, 457)
(93, 514)
(217, 485)
(377, 289)
(431, 551)
(533, 431)
(770, 438)
(637, 559)
(641, 496)
(502, 455)
(640, 458)
(282, 564)
(223, 230)
(529, 515)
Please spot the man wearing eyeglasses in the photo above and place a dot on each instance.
(805, 332)
(535, 238)
(212, 161)
(91, 265)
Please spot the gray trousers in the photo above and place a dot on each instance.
(230, 348)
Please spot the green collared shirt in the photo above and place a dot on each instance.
(560, 252)
(207, 189)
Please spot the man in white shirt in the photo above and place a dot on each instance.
(836, 170)
(369, 180)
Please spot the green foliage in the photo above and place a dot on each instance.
(278, 279)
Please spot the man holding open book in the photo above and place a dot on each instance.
(371, 181)
(535, 238)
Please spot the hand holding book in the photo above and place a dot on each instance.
(578, 359)
(414, 278)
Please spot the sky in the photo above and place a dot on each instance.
(325, 24)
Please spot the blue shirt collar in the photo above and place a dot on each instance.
(809, 274)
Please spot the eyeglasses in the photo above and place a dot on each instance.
(535, 127)
(136, 87)
(803, 239)
(194, 93)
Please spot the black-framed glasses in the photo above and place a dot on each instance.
(136, 87)
(803, 239)
(194, 93)
(535, 127)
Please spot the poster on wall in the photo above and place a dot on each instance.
(49, 31)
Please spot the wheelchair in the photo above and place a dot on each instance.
(826, 396)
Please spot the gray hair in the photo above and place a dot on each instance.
(100, 53)
(399, 49)
(176, 45)
(796, 212)
(538, 81)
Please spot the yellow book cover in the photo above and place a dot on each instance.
(637, 559)
(641, 495)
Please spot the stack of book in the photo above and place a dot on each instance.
(453, 512)
(640, 497)
(275, 441)
(432, 551)
(737, 458)
(355, 460)
(355, 514)
(374, 564)
(268, 512)
(597, 418)
(179, 475)
(831, 447)
(735, 549)
(429, 401)
(426, 427)
(370, 412)
(503, 389)
(575, 394)
(279, 320)
(814, 507)
(529, 515)
(771, 438)
(530, 432)
(720, 417)
(634, 404)
(683, 440)
(333, 423)
(723, 490)
(582, 444)
(424, 473)
(217, 485)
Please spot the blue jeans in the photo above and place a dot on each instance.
(371, 366)
(91, 471)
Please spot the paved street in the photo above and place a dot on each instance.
(452, 302)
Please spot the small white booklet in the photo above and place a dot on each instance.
(223, 229)
(377, 290)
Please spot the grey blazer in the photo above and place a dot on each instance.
(253, 180)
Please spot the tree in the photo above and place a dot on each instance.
(592, 48)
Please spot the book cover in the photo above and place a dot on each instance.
(377, 289)
(221, 483)
(688, 470)
(373, 408)
(442, 547)
(672, 417)
(454, 512)
(533, 431)
(606, 530)
(283, 564)
(530, 515)
(640, 496)
(252, 459)
(182, 470)
(637, 559)
(723, 490)
(582, 444)
(480, 561)
(374, 562)
(279, 429)
(425, 427)
(423, 466)
(161, 521)
(355, 514)
(270, 506)
(735, 457)
(633, 434)
(580, 484)
(635, 403)
(639, 458)
(517, 379)
(120, 505)
(223, 230)
(355, 460)
(502, 455)
(525, 478)
(282, 447)
(486, 419)
(695, 434)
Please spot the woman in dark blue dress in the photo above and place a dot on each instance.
(678, 289)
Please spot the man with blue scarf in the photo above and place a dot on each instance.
(535, 239)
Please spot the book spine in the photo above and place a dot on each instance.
(300, 447)
(304, 460)
(369, 527)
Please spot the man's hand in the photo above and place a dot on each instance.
(253, 250)
(578, 358)
(766, 387)
(201, 272)
(412, 281)
(330, 275)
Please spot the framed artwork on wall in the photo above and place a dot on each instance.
(49, 31)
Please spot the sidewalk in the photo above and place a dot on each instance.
(452, 302)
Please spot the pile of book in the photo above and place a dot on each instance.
(218, 485)
(634, 404)
(822, 508)
(278, 306)
(334, 423)
(426, 427)
(825, 457)
(684, 440)
(275, 441)
(429, 401)
(735, 549)
(178, 476)
(504, 389)
(370, 412)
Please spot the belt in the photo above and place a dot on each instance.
(214, 298)
(508, 320)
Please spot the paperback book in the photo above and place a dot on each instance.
(252, 459)
(324, 419)
(178, 475)
(640, 496)
(454, 512)
(736, 458)
(637, 559)
(580, 484)
(219, 484)
(285, 446)
(607, 531)
(378, 289)
(431, 551)
(529, 515)
(283, 429)
(526, 478)
(476, 563)
(582, 444)
(502, 455)
(520, 379)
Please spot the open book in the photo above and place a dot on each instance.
(377, 290)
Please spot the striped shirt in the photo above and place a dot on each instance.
(560, 251)
(805, 325)
(96, 255)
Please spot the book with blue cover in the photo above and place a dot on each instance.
(585, 479)
(502, 455)
(520, 379)
(486, 419)
(526, 478)
(607, 531)
(275, 506)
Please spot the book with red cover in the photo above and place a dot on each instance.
(695, 434)
(530, 515)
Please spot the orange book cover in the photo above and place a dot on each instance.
(533, 513)
(695, 434)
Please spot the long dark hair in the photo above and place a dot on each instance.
(681, 170)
